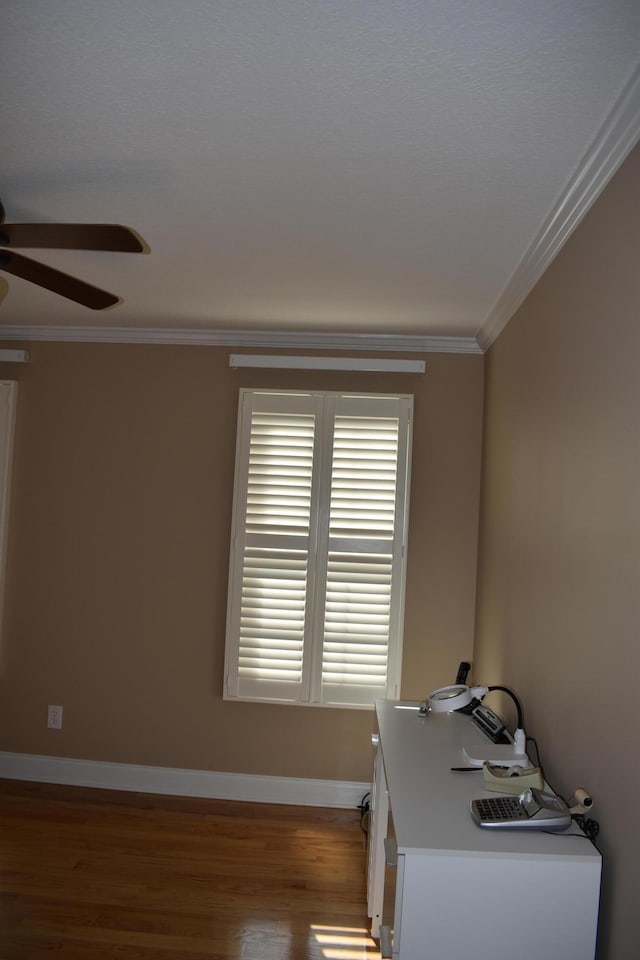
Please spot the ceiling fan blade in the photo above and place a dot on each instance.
(71, 236)
(56, 281)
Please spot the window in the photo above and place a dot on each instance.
(316, 590)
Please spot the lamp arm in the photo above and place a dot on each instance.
(515, 700)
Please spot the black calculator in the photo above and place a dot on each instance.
(533, 810)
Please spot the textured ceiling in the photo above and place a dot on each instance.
(353, 166)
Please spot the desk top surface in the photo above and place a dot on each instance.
(430, 802)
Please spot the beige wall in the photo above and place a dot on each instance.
(118, 548)
(559, 586)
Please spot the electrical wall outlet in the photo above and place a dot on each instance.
(54, 717)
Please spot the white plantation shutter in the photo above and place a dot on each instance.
(317, 555)
(271, 547)
(365, 535)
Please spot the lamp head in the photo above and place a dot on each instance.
(447, 699)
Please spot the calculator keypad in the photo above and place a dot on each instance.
(500, 808)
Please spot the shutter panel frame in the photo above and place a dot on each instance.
(337, 642)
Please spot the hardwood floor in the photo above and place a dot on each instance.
(100, 875)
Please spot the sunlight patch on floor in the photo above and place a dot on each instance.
(345, 943)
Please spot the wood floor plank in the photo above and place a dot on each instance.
(106, 875)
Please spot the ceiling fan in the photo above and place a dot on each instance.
(63, 236)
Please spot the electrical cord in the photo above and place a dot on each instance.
(538, 762)
(364, 808)
(590, 827)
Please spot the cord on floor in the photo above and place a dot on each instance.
(364, 808)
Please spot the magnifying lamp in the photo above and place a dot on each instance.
(455, 697)
(458, 696)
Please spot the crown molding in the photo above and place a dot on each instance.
(387, 343)
(615, 140)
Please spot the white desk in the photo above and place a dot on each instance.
(459, 890)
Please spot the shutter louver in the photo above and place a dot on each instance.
(280, 474)
(272, 616)
(363, 478)
(362, 512)
(356, 625)
(275, 556)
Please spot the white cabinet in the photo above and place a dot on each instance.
(457, 889)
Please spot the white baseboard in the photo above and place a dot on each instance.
(182, 783)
